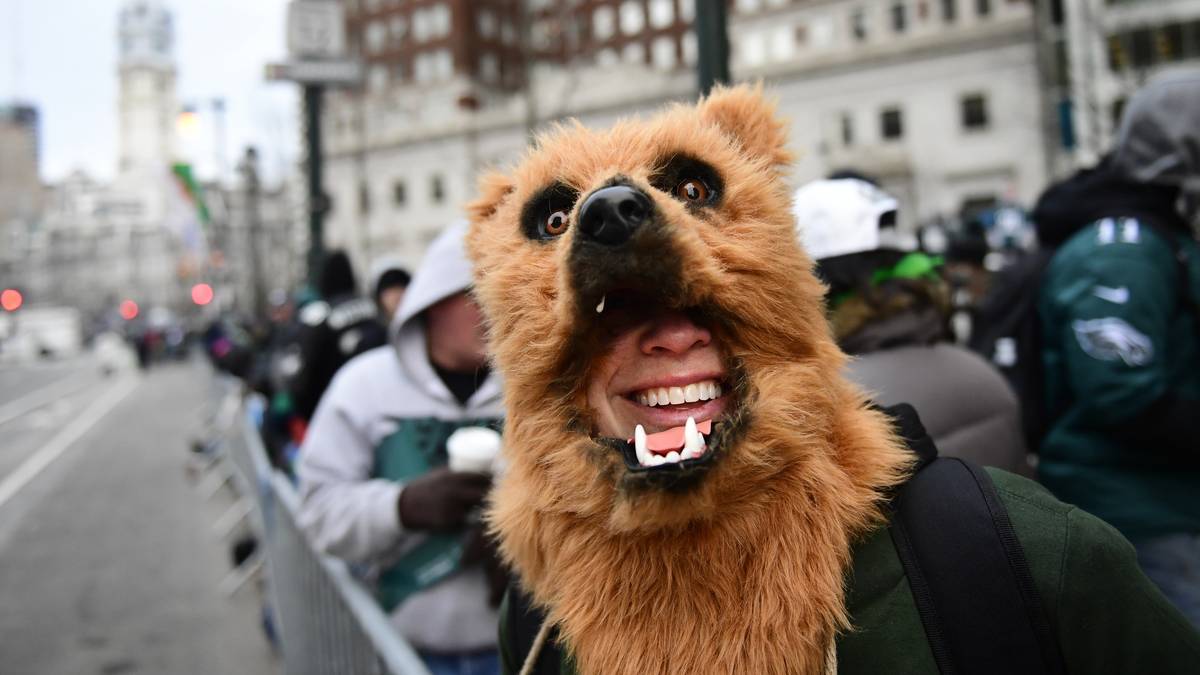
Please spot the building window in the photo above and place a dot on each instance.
(748, 6)
(983, 7)
(607, 57)
(891, 124)
(663, 53)
(753, 49)
(437, 189)
(633, 17)
(858, 24)
(603, 23)
(377, 34)
(634, 53)
(399, 194)
(486, 22)
(689, 47)
(489, 68)
(687, 11)
(899, 17)
(662, 13)
(783, 43)
(399, 26)
(364, 199)
(974, 112)
(847, 123)
(378, 78)
(949, 11)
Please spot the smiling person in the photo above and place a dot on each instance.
(694, 486)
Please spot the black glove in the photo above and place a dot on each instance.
(441, 499)
(482, 548)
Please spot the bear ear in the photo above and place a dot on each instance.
(746, 114)
(493, 188)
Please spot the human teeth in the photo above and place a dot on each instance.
(600, 307)
(691, 393)
(672, 457)
(663, 396)
(639, 446)
(675, 395)
(717, 391)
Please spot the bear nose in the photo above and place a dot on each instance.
(610, 215)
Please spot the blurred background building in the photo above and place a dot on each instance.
(955, 105)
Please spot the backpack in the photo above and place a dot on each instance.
(1007, 329)
(971, 585)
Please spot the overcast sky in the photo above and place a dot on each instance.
(61, 55)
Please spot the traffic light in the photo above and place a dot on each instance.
(202, 294)
(129, 310)
(11, 300)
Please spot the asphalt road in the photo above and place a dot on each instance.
(108, 560)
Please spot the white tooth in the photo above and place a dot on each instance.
(691, 438)
(639, 446)
(691, 393)
(651, 398)
(641, 398)
(676, 395)
(672, 457)
(716, 391)
(656, 460)
(706, 391)
(663, 397)
(600, 307)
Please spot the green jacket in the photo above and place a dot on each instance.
(1109, 618)
(1118, 332)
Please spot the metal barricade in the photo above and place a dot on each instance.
(328, 623)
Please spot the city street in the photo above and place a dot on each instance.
(108, 560)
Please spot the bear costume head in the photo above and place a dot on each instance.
(687, 466)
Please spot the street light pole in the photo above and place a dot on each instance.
(258, 292)
(712, 39)
(317, 203)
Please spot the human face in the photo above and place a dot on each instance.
(389, 301)
(667, 355)
(455, 331)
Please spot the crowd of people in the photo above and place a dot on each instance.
(1082, 371)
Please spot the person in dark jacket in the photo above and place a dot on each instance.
(1118, 309)
(889, 308)
(340, 326)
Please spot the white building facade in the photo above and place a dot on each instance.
(953, 105)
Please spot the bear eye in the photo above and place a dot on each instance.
(556, 223)
(692, 191)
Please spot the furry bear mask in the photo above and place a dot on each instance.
(730, 555)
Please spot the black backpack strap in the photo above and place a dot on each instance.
(524, 621)
(969, 575)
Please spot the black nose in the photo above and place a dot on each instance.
(610, 215)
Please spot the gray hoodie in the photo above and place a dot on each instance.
(349, 512)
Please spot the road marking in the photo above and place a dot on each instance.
(30, 469)
(40, 397)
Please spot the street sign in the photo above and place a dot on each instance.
(316, 29)
(325, 71)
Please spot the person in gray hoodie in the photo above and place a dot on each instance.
(374, 486)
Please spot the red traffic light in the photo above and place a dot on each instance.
(202, 294)
(129, 310)
(11, 300)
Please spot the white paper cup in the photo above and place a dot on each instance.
(473, 449)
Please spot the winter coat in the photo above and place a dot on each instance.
(966, 405)
(384, 410)
(1109, 619)
(1122, 360)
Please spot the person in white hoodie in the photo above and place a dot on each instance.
(375, 489)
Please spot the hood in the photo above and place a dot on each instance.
(337, 276)
(1101, 192)
(387, 269)
(443, 272)
(1159, 138)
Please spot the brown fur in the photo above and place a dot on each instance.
(745, 572)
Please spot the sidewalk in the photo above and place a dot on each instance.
(108, 563)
